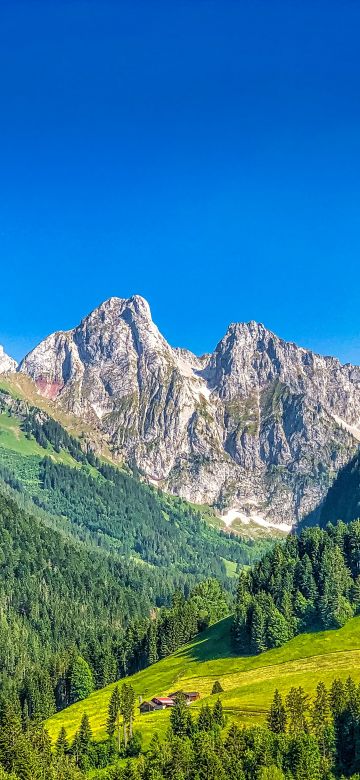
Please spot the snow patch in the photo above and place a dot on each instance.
(235, 514)
(355, 432)
(99, 410)
(198, 385)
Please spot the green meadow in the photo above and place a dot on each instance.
(249, 682)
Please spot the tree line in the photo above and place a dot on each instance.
(311, 580)
(74, 619)
(302, 739)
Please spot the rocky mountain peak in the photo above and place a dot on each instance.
(6, 363)
(259, 427)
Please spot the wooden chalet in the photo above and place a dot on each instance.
(163, 702)
(148, 706)
(189, 696)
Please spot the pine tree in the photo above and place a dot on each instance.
(277, 715)
(258, 629)
(334, 606)
(75, 748)
(218, 715)
(127, 704)
(62, 745)
(85, 734)
(337, 698)
(296, 702)
(277, 628)
(355, 595)
(81, 680)
(205, 719)
(179, 716)
(114, 713)
(323, 727)
(217, 687)
(152, 641)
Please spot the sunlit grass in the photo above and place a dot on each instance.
(248, 681)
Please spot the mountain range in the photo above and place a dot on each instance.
(258, 428)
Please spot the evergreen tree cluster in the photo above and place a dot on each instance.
(47, 431)
(130, 518)
(303, 739)
(311, 579)
(74, 619)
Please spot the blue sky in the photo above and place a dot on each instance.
(202, 153)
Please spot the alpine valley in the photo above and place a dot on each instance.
(146, 562)
(258, 429)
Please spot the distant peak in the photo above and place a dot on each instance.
(116, 307)
(6, 363)
(140, 304)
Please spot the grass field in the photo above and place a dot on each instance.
(248, 681)
(22, 454)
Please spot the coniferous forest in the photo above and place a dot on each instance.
(310, 581)
(303, 739)
(102, 576)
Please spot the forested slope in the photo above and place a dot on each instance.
(310, 581)
(343, 498)
(91, 556)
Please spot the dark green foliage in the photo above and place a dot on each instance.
(71, 606)
(297, 705)
(114, 713)
(309, 579)
(277, 715)
(129, 517)
(323, 746)
(218, 715)
(343, 497)
(81, 680)
(180, 717)
(62, 745)
(127, 704)
(206, 718)
(217, 687)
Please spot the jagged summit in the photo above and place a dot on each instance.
(259, 427)
(6, 363)
(115, 306)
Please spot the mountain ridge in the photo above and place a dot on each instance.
(258, 427)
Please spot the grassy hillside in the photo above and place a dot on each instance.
(248, 682)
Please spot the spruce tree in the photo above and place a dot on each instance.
(217, 687)
(277, 715)
(152, 641)
(81, 680)
(85, 734)
(205, 719)
(127, 704)
(114, 712)
(179, 716)
(297, 703)
(61, 745)
(218, 715)
(258, 629)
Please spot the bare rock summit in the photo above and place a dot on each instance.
(259, 428)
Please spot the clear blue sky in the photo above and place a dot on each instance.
(202, 153)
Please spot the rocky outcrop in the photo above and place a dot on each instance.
(260, 425)
(6, 363)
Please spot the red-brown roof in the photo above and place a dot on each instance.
(163, 699)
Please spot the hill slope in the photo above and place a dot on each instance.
(343, 499)
(106, 506)
(248, 681)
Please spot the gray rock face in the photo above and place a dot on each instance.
(260, 426)
(6, 363)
